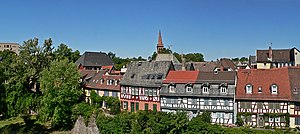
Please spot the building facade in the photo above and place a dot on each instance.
(141, 85)
(14, 47)
(197, 92)
(263, 97)
(277, 58)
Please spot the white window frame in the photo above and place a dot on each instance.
(277, 119)
(274, 89)
(189, 89)
(271, 119)
(223, 90)
(172, 88)
(259, 90)
(205, 89)
(249, 89)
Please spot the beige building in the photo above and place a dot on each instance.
(10, 46)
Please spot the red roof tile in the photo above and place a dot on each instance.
(181, 77)
(263, 78)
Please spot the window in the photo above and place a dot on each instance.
(116, 82)
(249, 89)
(136, 91)
(114, 94)
(205, 89)
(125, 105)
(154, 107)
(101, 81)
(154, 92)
(245, 105)
(206, 103)
(189, 88)
(259, 105)
(150, 92)
(226, 103)
(172, 88)
(146, 92)
(106, 93)
(259, 90)
(146, 107)
(274, 89)
(194, 101)
(277, 119)
(274, 105)
(271, 119)
(213, 102)
(297, 122)
(136, 106)
(297, 106)
(223, 90)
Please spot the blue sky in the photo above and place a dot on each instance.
(216, 28)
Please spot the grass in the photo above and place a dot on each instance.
(13, 120)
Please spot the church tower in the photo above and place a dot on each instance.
(160, 44)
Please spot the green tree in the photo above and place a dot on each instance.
(60, 88)
(63, 51)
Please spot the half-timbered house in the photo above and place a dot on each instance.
(263, 97)
(141, 84)
(196, 92)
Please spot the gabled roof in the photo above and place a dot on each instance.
(181, 77)
(263, 78)
(167, 57)
(278, 55)
(95, 82)
(95, 59)
(205, 66)
(145, 73)
(226, 63)
(217, 77)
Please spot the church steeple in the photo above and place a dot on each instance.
(160, 44)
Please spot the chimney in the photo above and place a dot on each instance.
(183, 63)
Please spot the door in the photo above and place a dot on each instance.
(260, 120)
(132, 106)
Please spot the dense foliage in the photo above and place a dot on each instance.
(121, 62)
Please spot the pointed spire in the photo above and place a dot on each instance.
(160, 43)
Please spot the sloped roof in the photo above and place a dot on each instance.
(278, 55)
(94, 59)
(252, 60)
(205, 66)
(188, 66)
(226, 63)
(145, 73)
(294, 76)
(167, 57)
(95, 82)
(181, 77)
(263, 78)
(217, 77)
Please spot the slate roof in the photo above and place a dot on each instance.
(278, 55)
(167, 57)
(217, 77)
(205, 66)
(146, 74)
(263, 78)
(181, 77)
(188, 66)
(94, 59)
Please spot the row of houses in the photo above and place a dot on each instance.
(261, 93)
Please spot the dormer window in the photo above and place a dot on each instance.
(205, 89)
(101, 81)
(223, 90)
(172, 88)
(249, 89)
(274, 89)
(116, 82)
(259, 90)
(189, 88)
